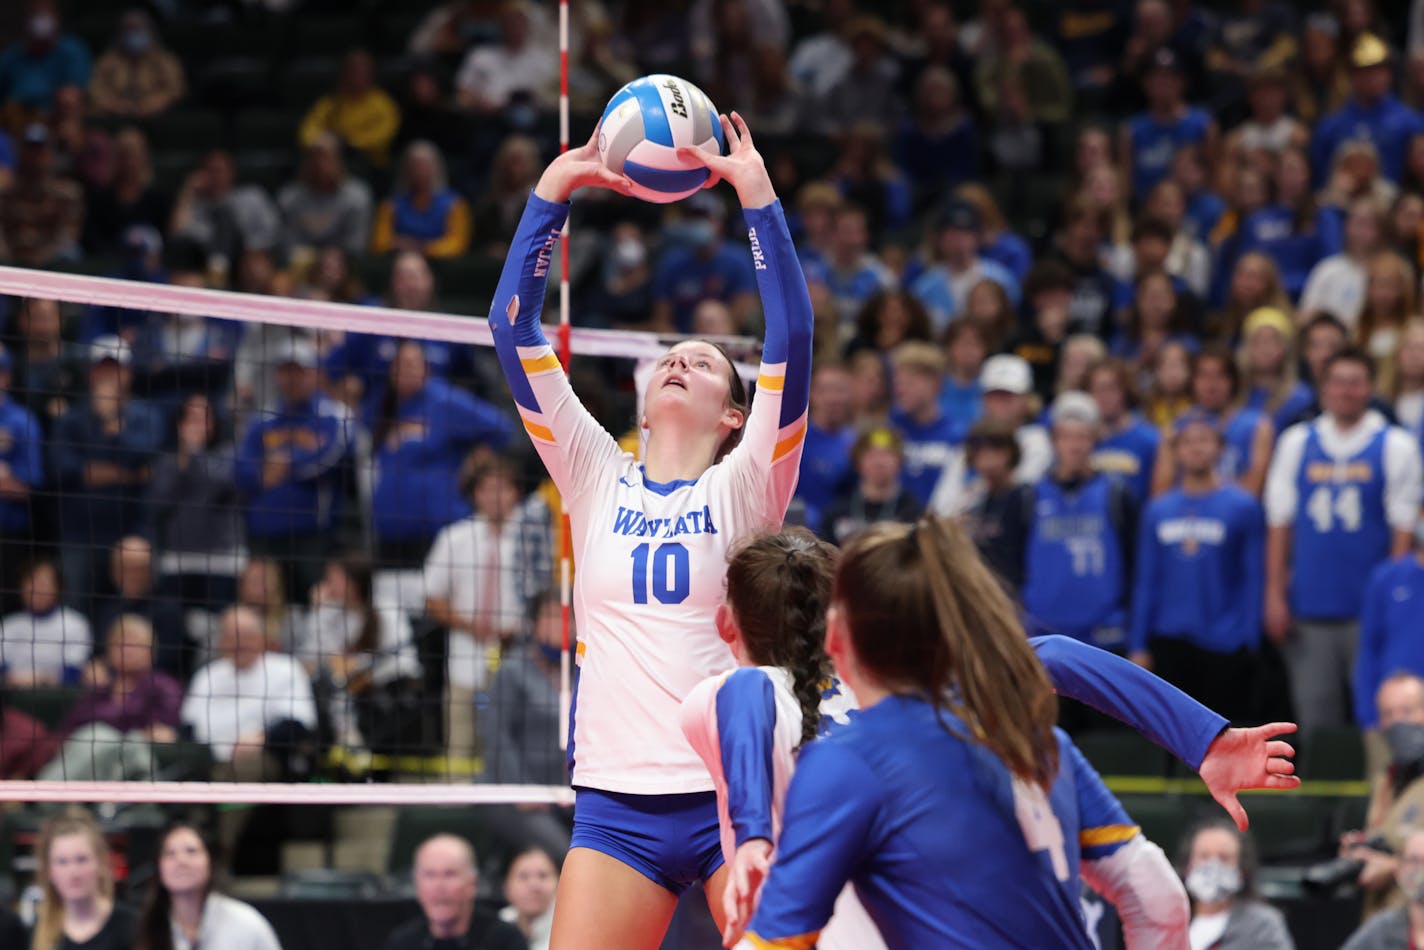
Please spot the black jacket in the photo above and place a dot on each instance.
(486, 932)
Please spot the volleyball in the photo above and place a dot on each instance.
(643, 126)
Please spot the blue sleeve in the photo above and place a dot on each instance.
(472, 420)
(1103, 824)
(525, 277)
(1122, 689)
(1329, 231)
(787, 305)
(1253, 568)
(30, 468)
(1144, 593)
(247, 467)
(1369, 671)
(830, 812)
(746, 726)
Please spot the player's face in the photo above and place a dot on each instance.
(444, 882)
(184, 865)
(691, 386)
(73, 867)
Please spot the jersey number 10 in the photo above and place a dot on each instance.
(672, 575)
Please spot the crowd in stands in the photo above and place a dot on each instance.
(1134, 288)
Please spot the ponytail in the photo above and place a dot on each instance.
(778, 587)
(926, 615)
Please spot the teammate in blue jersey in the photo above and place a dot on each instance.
(651, 542)
(1196, 603)
(1150, 140)
(1342, 496)
(1389, 628)
(1247, 434)
(1127, 443)
(1080, 530)
(950, 801)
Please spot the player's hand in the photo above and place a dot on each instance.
(1248, 758)
(579, 168)
(739, 899)
(742, 166)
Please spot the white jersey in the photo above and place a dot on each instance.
(717, 718)
(652, 557)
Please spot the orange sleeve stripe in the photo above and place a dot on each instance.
(1107, 834)
(789, 444)
(772, 384)
(541, 364)
(538, 431)
(799, 942)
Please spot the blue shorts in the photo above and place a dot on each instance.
(672, 840)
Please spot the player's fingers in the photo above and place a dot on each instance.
(592, 144)
(744, 133)
(712, 162)
(1276, 728)
(1233, 808)
(1281, 781)
(729, 131)
(1279, 748)
(1280, 766)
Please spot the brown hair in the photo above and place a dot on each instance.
(1216, 352)
(778, 587)
(924, 612)
(155, 926)
(1122, 374)
(49, 916)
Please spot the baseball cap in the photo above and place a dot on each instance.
(1006, 373)
(1368, 50)
(1074, 406)
(299, 351)
(959, 214)
(1267, 317)
(109, 347)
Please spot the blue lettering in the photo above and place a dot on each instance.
(624, 522)
(680, 528)
(707, 526)
(654, 526)
(696, 518)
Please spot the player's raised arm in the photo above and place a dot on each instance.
(770, 450)
(569, 440)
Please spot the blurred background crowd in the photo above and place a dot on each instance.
(1134, 287)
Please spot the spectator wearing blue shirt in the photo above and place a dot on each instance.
(290, 467)
(34, 67)
(703, 265)
(931, 439)
(1150, 140)
(1199, 587)
(865, 175)
(944, 286)
(996, 242)
(1079, 539)
(1247, 435)
(421, 430)
(965, 349)
(938, 146)
(1268, 362)
(1293, 230)
(851, 272)
(21, 472)
(826, 470)
(102, 449)
(1372, 114)
(1389, 628)
(1127, 443)
(1204, 207)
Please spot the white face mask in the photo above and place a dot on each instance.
(1212, 881)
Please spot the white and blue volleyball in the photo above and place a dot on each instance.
(643, 126)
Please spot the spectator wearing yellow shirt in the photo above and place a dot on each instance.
(361, 115)
(424, 214)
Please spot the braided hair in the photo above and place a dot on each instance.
(778, 588)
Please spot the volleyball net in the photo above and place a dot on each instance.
(279, 550)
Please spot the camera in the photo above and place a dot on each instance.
(1327, 876)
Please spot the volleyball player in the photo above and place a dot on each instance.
(748, 726)
(950, 798)
(651, 542)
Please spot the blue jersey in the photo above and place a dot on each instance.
(1340, 531)
(827, 472)
(20, 453)
(1388, 125)
(1200, 568)
(685, 278)
(430, 223)
(1391, 632)
(1300, 398)
(945, 847)
(1273, 232)
(1074, 563)
(1130, 454)
(315, 438)
(960, 403)
(1153, 144)
(1238, 437)
(929, 450)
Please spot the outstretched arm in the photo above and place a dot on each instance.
(768, 459)
(1228, 760)
(571, 443)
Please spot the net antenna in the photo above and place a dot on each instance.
(565, 354)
